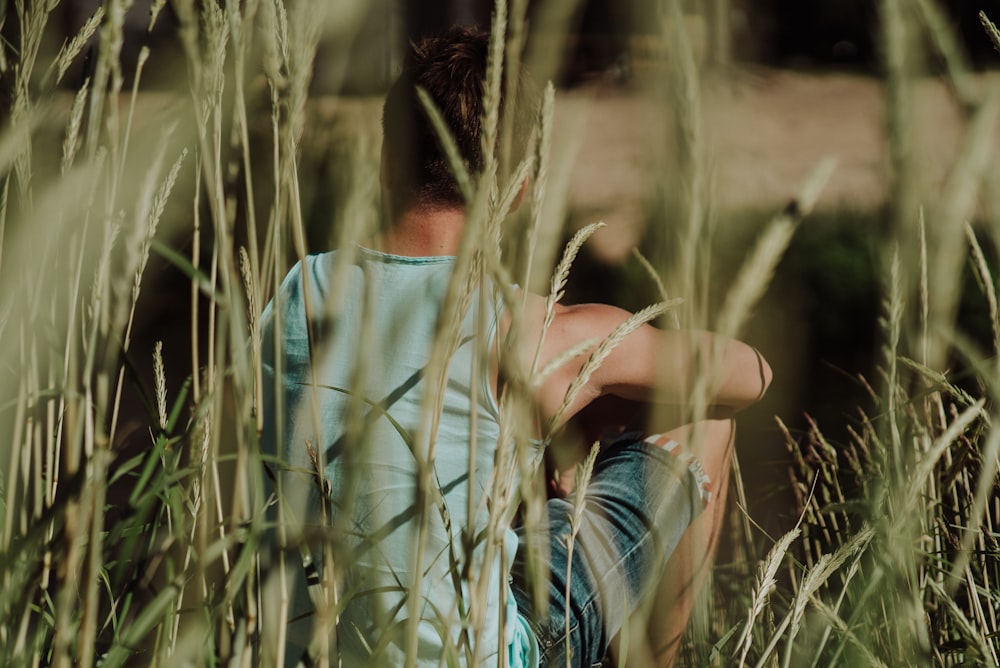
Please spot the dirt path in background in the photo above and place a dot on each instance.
(766, 130)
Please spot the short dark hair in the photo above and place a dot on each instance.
(451, 68)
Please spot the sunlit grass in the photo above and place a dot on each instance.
(134, 526)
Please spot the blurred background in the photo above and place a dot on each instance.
(606, 35)
(784, 84)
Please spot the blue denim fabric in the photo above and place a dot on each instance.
(639, 502)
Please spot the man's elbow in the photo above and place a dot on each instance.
(748, 382)
(766, 375)
(757, 379)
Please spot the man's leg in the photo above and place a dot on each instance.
(640, 501)
(665, 615)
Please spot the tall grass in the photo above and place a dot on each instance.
(894, 559)
(136, 500)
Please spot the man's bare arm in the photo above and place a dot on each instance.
(650, 364)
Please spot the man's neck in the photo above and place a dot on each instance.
(424, 232)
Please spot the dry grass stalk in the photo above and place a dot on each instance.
(583, 473)
(956, 206)
(991, 29)
(70, 50)
(946, 41)
(691, 165)
(64, 410)
(765, 584)
(161, 385)
(986, 284)
(71, 144)
(899, 40)
(539, 182)
(558, 281)
(661, 288)
(818, 576)
(601, 353)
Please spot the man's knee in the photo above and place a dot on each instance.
(708, 441)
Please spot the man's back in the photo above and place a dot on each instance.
(369, 407)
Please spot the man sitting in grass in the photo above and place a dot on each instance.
(407, 460)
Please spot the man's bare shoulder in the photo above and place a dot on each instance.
(566, 336)
(569, 324)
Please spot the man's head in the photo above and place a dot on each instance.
(451, 67)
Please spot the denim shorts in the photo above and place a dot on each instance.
(642, 496)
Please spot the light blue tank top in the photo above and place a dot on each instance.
(378, 342)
